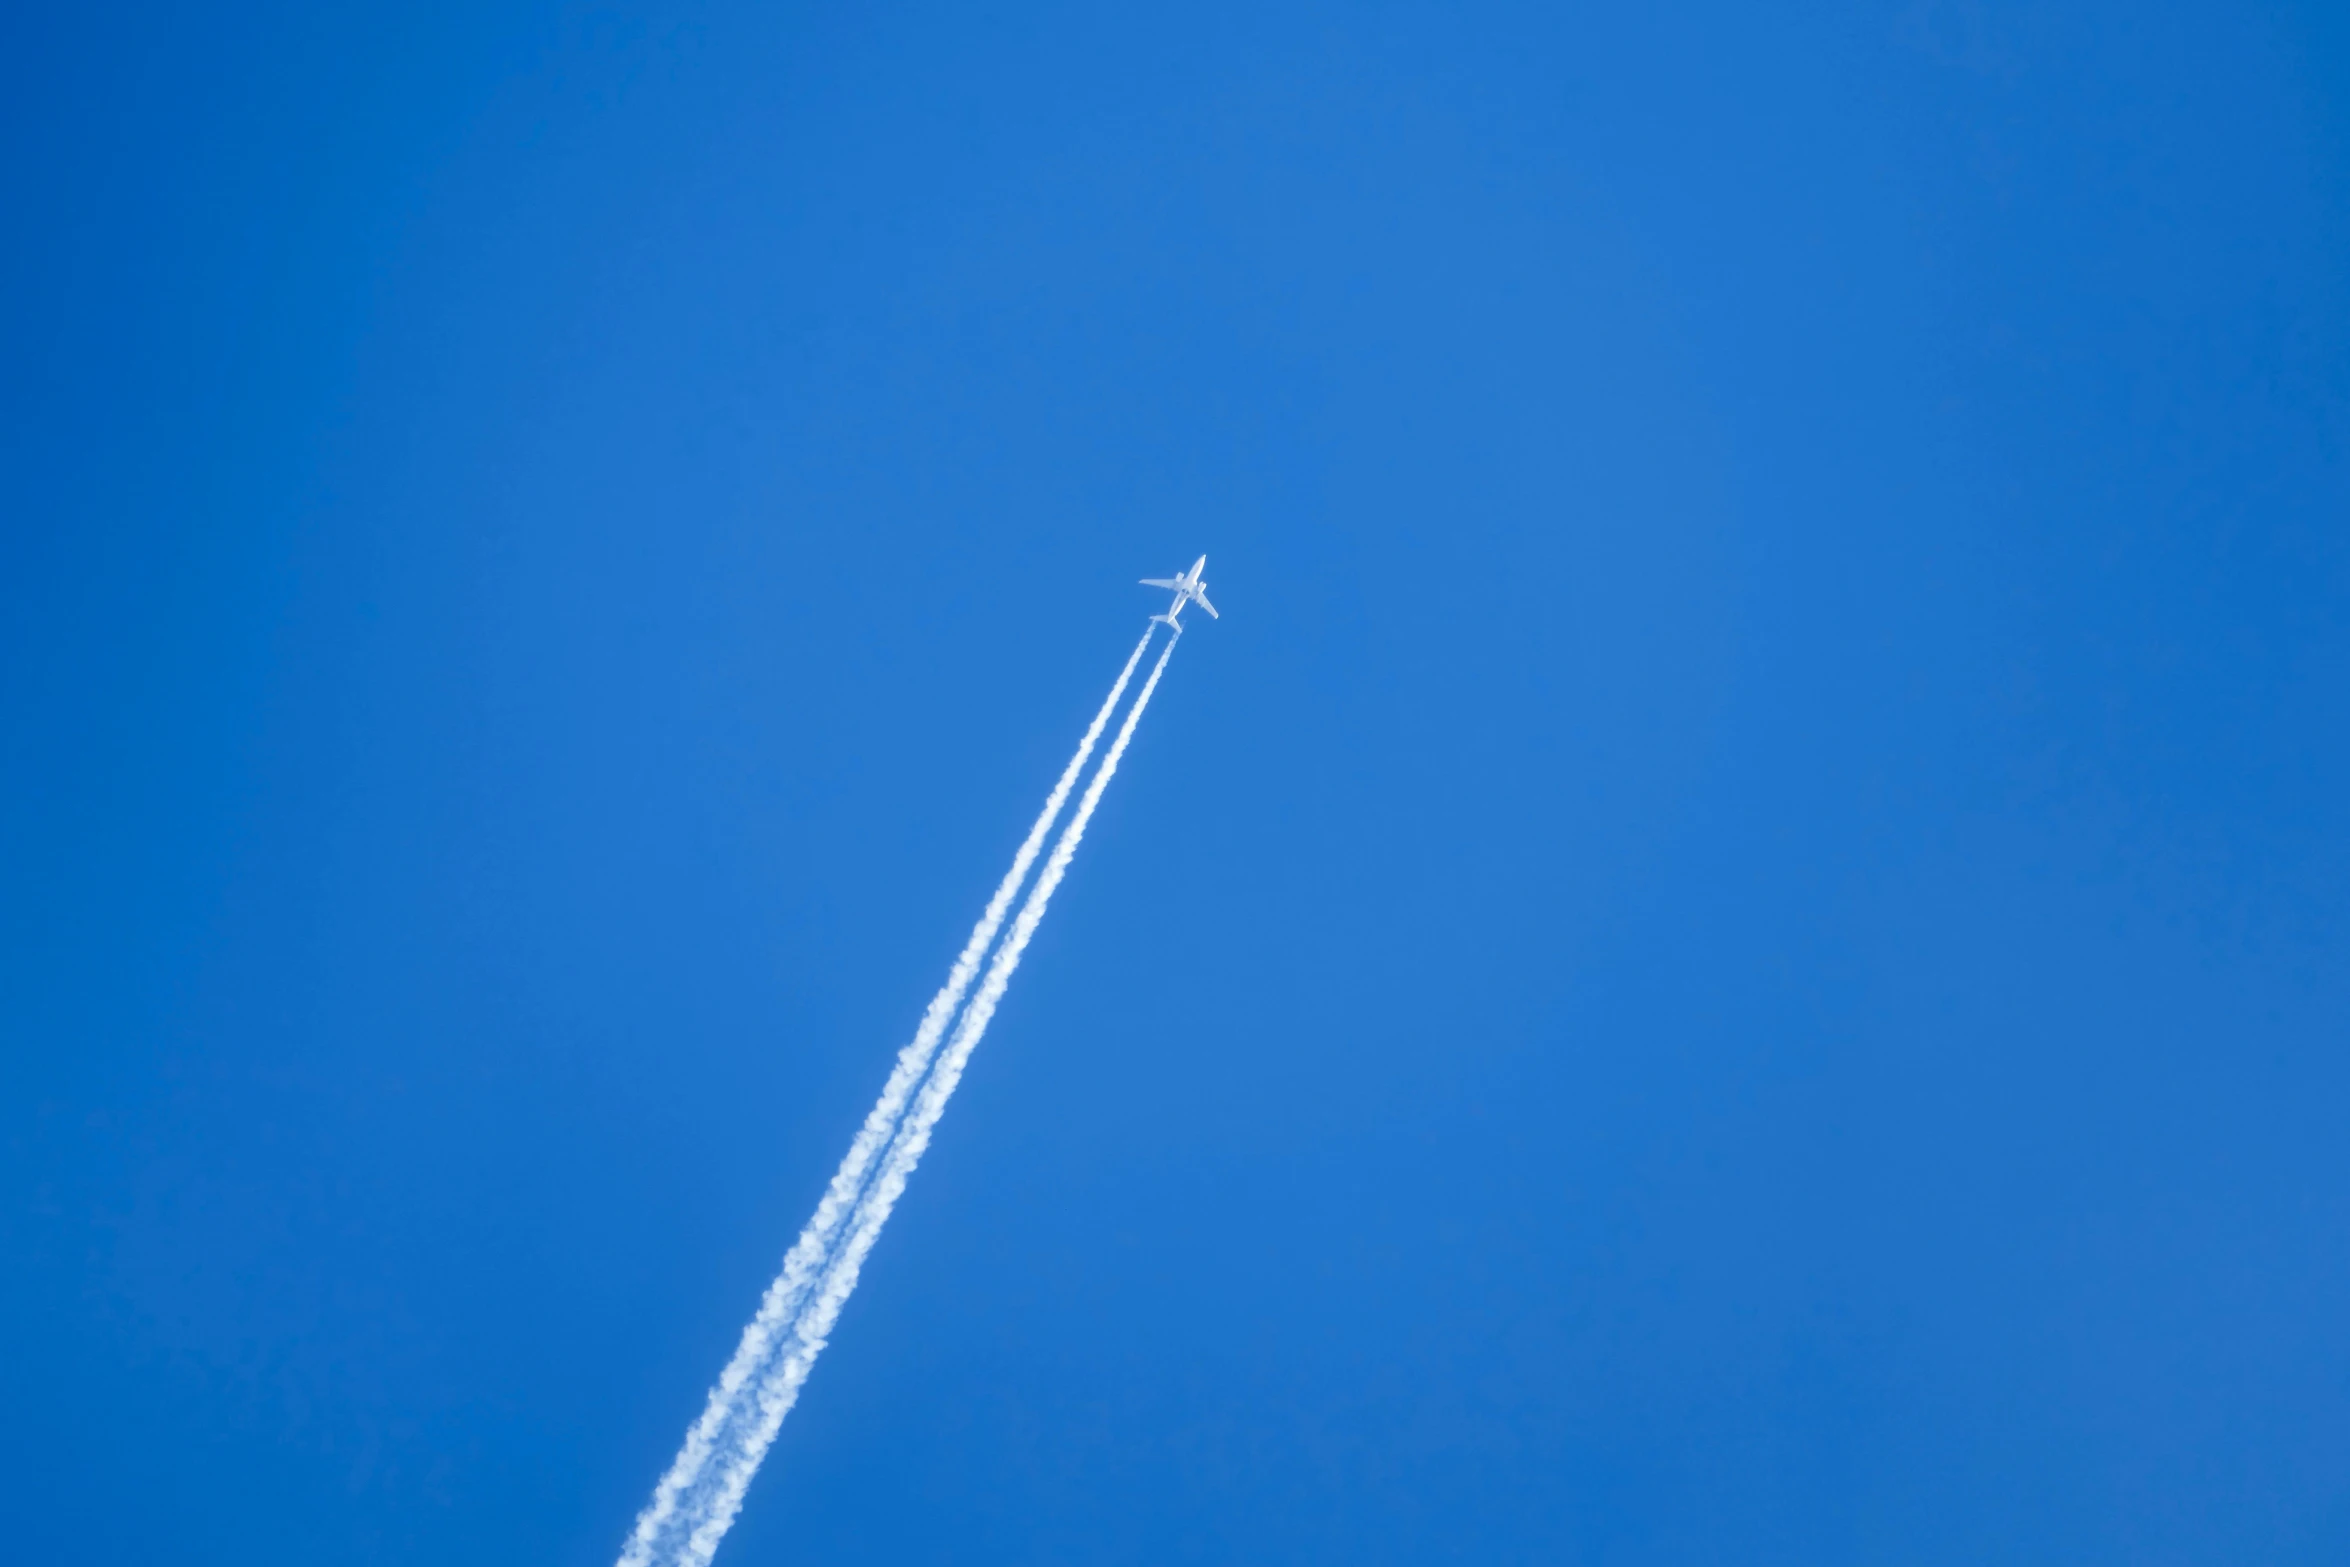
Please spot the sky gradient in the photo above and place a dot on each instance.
(1735, 950)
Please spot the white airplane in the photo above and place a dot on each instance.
(1188, 589)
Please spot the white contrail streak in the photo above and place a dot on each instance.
(801, 1266)
(780, 1388)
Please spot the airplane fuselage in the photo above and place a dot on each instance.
(1188, 589)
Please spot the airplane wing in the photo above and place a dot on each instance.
(1201, 599)
(1159, 582)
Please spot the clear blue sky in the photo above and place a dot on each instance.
(1736, 951)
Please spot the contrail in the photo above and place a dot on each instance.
(780, 1388)
(801, 1266)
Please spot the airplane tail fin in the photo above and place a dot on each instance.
(1169, 621)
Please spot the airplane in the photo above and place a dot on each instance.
(1188, 589)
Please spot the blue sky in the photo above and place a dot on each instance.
(1733, 952)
